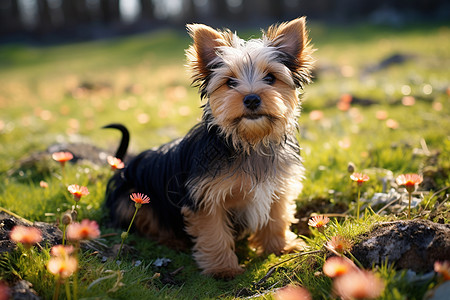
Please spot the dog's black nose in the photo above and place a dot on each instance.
(252, 101)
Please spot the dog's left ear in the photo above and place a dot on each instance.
(291, 38)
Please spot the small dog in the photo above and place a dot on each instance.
(238, 171)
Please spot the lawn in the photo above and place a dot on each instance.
(387, 118)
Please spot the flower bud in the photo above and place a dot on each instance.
(124, 235)
(66, 218)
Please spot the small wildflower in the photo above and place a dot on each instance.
(62, 266)
(358, 285)
(78, 191)
(316, 115)
(339, 244)
(318, 221)
(26, 235)
(139, 199)
(392, 124)
(408, 100)
(292, 292)
(409, 181)
(115, 163)
(443, 268)
(60, 250)
(43, 184)
(381, 115)
(359, 178)
(86, 230)
(62, 157)
(337, 266)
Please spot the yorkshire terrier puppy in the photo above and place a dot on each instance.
(237, 172)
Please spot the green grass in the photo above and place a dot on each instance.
(141, 81)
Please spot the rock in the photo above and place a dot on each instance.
(23, 290)
(411, 244)
(51, 234)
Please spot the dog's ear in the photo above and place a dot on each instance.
(291, 38)
(203, 51)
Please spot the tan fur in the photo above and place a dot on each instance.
(257, 190)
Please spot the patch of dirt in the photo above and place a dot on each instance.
(411, 244)
(51, 234)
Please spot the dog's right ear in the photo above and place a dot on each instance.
(203, 51)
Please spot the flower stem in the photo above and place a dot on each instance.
(64, 235)
(358, 203)
(56, 293)
(67, 284)
(409, 206)
(129, 227)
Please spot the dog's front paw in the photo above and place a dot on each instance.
(294, 245)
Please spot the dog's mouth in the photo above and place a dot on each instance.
(252, 117)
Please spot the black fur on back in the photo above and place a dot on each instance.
(162, 175)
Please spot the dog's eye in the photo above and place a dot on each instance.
(269, 79)
(232, 82)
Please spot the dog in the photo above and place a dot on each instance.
(238, 172)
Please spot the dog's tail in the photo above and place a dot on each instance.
(123, 146)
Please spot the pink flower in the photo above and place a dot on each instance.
(409, 181)
(62, 266)
(43, 184)
(358, 285)
(62, 157)
(359, 178)
(443, 268)
(139, 199)
(60, 250)
(26, 235)
(337, 266)
(115, 163)
(318, 221)
(86, 230)
(292, 292)
(78, 191)
(339, 244)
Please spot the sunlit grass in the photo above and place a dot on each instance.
(68, 92)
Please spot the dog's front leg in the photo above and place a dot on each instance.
(276, 236)
(213, 242)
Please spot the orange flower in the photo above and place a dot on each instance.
(409, 181)
(62, 266)
(358, 285)
(60, 250)
(62, 157)
(78, 191)
(392, 124)
(26, 235)
(318, 221)
(359, 178)
(337, 266)
(115, 163)
(139, 199)
(316, 115)
(86, 230)
(339, 244)
(43, 184)
(443, 268)
(292, 292)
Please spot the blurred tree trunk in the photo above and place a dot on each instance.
(10, 17)
(147, 10)
(110, 10)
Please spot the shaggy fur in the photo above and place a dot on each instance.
(238, 171)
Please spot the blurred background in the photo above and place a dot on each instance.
(59, 20)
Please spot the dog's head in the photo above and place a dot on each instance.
(251, 85)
